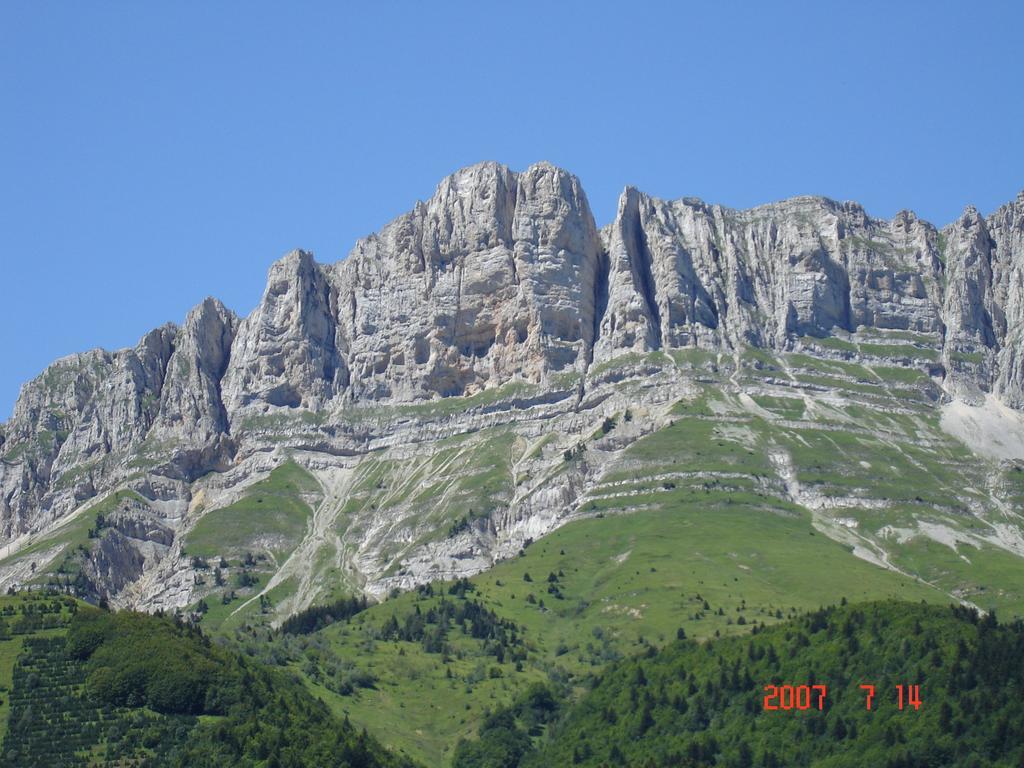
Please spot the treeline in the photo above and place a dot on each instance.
(319, 616)
(506, 736)
(35, 613)
(430, 627)
(691, 705)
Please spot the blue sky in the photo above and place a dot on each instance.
(152, 154)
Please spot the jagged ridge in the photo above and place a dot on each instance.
(503, 278)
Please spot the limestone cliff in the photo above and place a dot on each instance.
(502, 283)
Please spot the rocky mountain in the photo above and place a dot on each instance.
(492, 364)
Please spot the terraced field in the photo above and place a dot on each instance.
(45, 718)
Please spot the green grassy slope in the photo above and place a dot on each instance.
(858, 446)
(779, 484)
(627, 583)
(271, 517)
(237, 549)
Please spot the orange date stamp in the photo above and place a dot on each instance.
(805, 697)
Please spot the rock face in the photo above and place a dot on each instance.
(492, 279)
(503, 278)
(81, 410)
(684, 274)
(1007, 243)
(191, 406)
(286, 352)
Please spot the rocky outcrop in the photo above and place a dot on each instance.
(503, 277)
(285, 353)
(490, 280)
(191, 407)
(1007, 228)
(684, 273)
(69, 419)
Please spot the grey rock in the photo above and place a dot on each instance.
(69, 420)
(1006, 226)
(285, 352)
(684, 273)
(490, 280)
(499, 280)
(191, 409)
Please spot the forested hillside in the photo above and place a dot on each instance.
(421, 669)
(694, 704)
(82, 686)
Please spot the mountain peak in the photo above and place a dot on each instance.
(496, 304)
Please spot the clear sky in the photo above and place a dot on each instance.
(152, 154)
